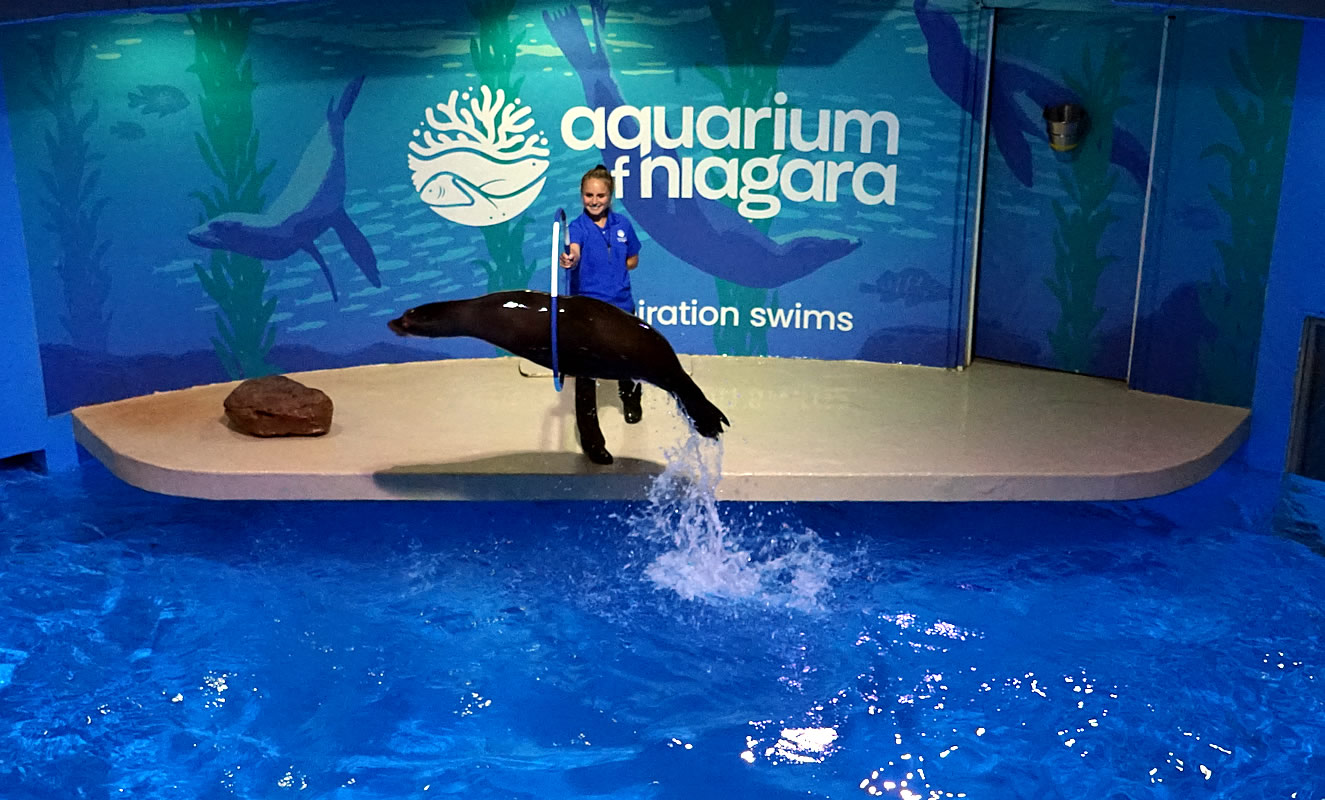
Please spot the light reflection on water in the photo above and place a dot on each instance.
(170, 648)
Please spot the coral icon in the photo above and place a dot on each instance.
(471, 161)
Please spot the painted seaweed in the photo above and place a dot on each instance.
(1233, 299)
(493, 52)
(1084, 219)
(73, 204)
(238, 284)
(756, 43)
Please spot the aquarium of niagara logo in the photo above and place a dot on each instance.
(472, 161)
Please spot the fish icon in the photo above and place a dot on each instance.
(447, 189)
(1198, 217)
(469, 178)
(128, 131)
(474, 165)
(158, 99)
(910, 285)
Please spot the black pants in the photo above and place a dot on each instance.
(586, 408)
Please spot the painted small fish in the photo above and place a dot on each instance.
(128, 130)
(911, 285)
(1198, 217)
(158, 99)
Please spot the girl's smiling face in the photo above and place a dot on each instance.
(596, 197)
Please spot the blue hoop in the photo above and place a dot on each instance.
(560, 245)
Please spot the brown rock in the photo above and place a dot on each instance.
(278, 406)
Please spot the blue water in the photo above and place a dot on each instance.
(155, 647)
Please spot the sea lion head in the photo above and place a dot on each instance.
(430, 319)
(820, 250)
(220, 233)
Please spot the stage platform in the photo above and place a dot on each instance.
(488, 429)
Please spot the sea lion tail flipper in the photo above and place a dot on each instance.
(568, 32)
(356, 244)
(311, 249)
(599, 10)
(707, 418)
(341, 110)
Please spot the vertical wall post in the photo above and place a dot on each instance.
(974, 281)
(1150, 188)
(24, 427)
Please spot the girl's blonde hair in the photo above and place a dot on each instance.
(600, 173)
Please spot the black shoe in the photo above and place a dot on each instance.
(597, 454)
(630, 404)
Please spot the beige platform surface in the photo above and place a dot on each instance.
(801, 430)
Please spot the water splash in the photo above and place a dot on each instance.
(756, 559)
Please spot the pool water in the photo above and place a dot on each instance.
(156, 647)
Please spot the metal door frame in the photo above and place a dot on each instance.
(976, 240)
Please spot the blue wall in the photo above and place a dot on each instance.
(1229, 93)
(22, 402)
(1296, 287)
(1062, 237)
(1062, 232)
(18, 10)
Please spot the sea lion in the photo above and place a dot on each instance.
(594, 340)
(311, 203)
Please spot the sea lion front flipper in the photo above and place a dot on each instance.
(356, 244)
(311, 249)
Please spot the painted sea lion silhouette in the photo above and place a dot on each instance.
(706, 234)
(312, 202)
(951, 61)
(594, 340)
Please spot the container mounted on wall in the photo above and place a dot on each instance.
(1065, 123)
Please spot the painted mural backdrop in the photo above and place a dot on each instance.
(1223, 138)
(1063, 230)
(1062, 233)
(22, 402)
(1295, 290)
(236, 192)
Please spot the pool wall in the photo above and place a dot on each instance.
(125, 132)
(22, 399)
(1296, 289)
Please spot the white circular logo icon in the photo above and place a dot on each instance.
(473, 164)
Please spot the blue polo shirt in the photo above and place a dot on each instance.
(602, 272)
